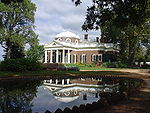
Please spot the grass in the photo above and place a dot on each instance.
(86, 70)
(60, 73)
(90, 67)
(96, 68)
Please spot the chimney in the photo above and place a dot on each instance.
(97, 39)
(85, 36)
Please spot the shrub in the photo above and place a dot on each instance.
(67, 68)
(20, 65)
(106, 64)
(114, 65)
(61, 67)
(73, 68)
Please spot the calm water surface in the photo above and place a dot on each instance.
(24, 95)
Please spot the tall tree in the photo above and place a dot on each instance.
(121, 22)
(35, 52)
(17, 24)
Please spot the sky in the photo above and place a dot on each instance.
(55, 16)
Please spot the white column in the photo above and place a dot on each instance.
(68, 80)
(68, 56)
(56, 81)
(50, 81)
(45, 56)
(51, 60)
(63, 81)
(63, 56)
(75, 58)
(57, 56)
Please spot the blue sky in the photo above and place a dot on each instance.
(55, 16)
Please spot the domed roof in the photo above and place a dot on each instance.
(67, 34)
(66, 99)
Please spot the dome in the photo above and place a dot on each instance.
(67, 34)
(66, 99)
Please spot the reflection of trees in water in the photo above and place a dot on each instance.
(128, 84)
(16, 96)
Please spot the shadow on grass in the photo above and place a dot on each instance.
(62, 73)
(137, 102)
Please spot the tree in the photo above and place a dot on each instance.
(35, 52)
(147, 56)
(16, 20)
(121, 22)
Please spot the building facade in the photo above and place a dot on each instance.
(67, 47)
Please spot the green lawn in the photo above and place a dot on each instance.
(85, 70)
(96, 68)
(60, 73)
(90, 67)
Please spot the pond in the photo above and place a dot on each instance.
(39, 95)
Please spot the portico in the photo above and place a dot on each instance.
(58, 56)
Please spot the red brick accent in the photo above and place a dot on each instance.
(87, 53)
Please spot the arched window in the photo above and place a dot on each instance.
(75, 92)
(68, 40)
(59, 39)
(58, 93)
(76, 41)
(66, 93)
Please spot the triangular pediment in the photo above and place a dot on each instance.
(54, 44)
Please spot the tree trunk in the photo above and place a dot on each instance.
(123, 51)
(132, 50)
(8, 53)
(8, 49)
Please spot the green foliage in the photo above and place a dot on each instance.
(16, 26)
(114, 65)
(147, 56)
(20, 65)
(68, 68)
(35, 52)
(73, 68)
(91, 65)
(124, 22)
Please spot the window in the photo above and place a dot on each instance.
(93, 57)
(68, 40)
(80, 58)
(83, 58)
(59, 39)
(96, 58)
(76, 41)
(75, 58)
(100, 57)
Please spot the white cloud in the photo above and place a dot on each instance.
(55, 16)
(1, 53)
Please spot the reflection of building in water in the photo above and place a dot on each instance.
(67, 90)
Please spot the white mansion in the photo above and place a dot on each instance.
(68, 48)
